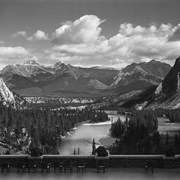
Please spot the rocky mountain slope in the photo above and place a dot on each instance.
(140, 76)
(167, 94)
(7, 97)
(33, 79)
(164, 96)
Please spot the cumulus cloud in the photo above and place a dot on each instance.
(84, 30)
(40, 35)
(81, 42)
(20, 34)
(152, 42)
(13, 55)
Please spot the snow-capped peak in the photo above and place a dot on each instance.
(58, 64)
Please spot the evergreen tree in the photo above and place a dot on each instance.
(167, 139)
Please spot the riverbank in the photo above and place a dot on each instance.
(164, 126)
(81, 137)
(107, 141)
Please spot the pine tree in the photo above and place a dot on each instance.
(167, 140)
(93, 147)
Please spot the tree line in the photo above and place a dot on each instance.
(134, 133)
(43, 127)
(139, 134)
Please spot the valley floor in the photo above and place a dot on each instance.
(110, 174)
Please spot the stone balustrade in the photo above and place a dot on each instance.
(128, 161)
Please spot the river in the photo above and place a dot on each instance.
(82, 137)
(164, 125)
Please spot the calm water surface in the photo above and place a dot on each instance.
(164, 125)
(83, 136)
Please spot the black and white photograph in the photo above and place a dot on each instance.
(89, 89)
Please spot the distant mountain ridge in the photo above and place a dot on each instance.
(166, 95)
(140, 76)
(34, 79)
(31, 78)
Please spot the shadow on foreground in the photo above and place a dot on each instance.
(91, 174)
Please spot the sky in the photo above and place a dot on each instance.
(111, 33)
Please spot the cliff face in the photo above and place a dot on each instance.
(167, 94)
(9, 98)
(178, 82)
(6, 96)
(170, 83)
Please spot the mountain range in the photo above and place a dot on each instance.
(140, 76)
(165, 95)
(65, 80)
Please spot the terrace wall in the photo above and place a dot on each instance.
(128, 161)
